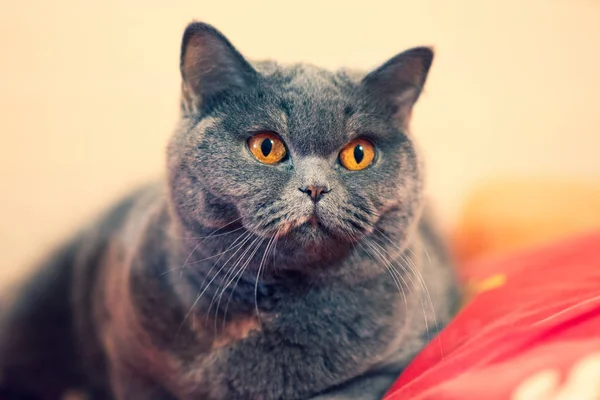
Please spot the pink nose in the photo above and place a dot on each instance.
(315, 192)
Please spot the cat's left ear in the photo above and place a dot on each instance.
(399, 82)
(210, 65)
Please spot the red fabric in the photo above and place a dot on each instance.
(545, 314)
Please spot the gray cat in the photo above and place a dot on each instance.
(287, 255)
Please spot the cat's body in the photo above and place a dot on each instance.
(227, 282)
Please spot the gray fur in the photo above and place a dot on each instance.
(213, 285)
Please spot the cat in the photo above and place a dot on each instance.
(288, 253)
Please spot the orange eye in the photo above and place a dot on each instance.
(267, 148)
(357, 155)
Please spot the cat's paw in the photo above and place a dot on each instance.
(369, 387)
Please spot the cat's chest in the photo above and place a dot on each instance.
(298, 315)
(327, 336)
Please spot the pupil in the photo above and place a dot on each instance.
(266, 146)
(359, 154)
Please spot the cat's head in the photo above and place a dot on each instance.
(301, 153)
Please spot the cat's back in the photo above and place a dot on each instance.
(57, 299)
(104, 247)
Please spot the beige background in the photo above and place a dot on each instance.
(89, 89)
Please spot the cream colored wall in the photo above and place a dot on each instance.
(89, 89)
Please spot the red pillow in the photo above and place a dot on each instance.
(533, 332)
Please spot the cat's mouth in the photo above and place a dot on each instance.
(309, 225)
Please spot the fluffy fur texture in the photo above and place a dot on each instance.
(225, 280)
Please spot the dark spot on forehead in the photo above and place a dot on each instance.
(286, 106)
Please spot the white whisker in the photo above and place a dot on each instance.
(247, 237)
(200, 242)
(229, 278)
(240, 274)
(246, 240)
(427, 293)
(393, 273)
(211, 234)
(273, 241)
(420, 281)
(231, 247)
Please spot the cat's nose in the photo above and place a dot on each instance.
(315, 192)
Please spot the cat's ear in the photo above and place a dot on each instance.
(399, 82)
(209, 66)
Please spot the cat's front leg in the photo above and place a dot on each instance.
(368, 387)
(298, 368)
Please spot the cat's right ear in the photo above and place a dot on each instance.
(210, 65)
(399, 82)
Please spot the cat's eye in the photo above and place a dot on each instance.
(267, 147)
(357, 155)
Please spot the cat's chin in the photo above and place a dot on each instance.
(313, 234)
(311, 248)
(310, 232)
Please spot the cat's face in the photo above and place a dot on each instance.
(295, 152)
